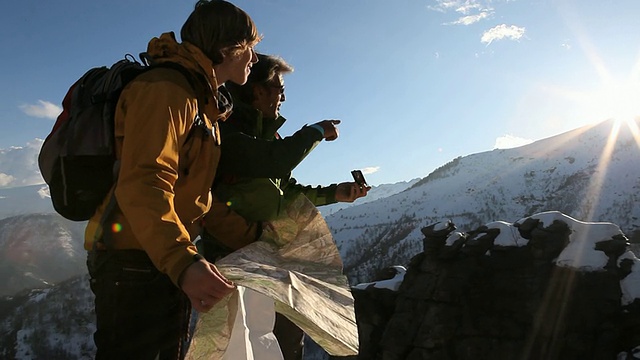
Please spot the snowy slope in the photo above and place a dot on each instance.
(575, 173)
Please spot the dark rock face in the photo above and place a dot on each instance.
(468, 297)
(375, 308)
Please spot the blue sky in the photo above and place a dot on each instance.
(416, 83)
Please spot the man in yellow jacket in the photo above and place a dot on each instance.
(145, 271)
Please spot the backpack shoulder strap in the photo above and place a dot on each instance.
(197, 84)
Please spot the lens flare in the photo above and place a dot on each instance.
(116, 227)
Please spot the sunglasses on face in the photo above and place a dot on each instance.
(279, 87)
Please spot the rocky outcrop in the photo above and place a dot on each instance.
(545, 287)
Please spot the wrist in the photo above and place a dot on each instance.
(319, 128)
(195, 258)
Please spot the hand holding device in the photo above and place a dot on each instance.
(359, 178)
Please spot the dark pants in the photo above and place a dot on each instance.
(290, 336)
(140, 313)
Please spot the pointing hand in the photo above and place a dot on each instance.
(330, 129)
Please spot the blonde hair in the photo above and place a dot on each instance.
(217, 27)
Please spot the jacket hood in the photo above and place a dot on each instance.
(166, 49)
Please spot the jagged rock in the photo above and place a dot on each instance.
(545, 287)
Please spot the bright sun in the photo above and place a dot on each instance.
(612, 99)
(617, 100)
(621, 102)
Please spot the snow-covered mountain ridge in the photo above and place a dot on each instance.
(580, 173)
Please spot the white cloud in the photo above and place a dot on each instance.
(19, 165)
(444, 5)
(370, 169)
(43, 192)
(468, 6)
(43, 109)
(470, 19)
(5, 179)
(502, 31)
(460, 6)
(510, 141)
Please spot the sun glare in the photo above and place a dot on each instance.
(617, 101)
(621, 102)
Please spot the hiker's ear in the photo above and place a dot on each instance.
(258, 90)
(259, 93)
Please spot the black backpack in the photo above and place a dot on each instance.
(77, 159)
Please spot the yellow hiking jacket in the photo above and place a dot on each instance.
(164, 180)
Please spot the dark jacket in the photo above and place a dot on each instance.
(254, 175)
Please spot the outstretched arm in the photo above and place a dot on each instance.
(325, 195)
(247, 156)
